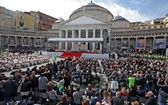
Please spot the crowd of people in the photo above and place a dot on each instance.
(77, 81)
(10, 61)
(134, 77)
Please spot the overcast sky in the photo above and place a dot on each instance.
(132, 10)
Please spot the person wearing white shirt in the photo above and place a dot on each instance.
(114, 84)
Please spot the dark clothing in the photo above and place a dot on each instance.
(10, 88)
(48, 76)
(26, 86)
(118, 101)
(140, 81)
(141, 93)
(67, 81)
(151, 101)
(133, 93)
(95, 99)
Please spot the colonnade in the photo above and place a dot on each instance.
(21, 41)
(149, 42)
(81, 33)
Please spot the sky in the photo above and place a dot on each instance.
(132, 10)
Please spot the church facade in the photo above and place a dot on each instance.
(94, 21)
(91, 22)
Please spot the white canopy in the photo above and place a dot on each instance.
(76, 39)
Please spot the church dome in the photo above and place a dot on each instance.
(94, 10)
(117, 18)
(120, 22)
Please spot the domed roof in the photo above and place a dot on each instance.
(117, 18)
(166, 15)
(91, 4)
(93, 10)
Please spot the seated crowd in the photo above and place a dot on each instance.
(17, 61)
(133, 81)
(135, 77)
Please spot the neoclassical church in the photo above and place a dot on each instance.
(90, 28)
(96, 22)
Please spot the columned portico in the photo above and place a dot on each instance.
(59, 44)
(79, 32)
(86, 37)
(101, 36)
(93, 46)
(73, 37)
(66, 36)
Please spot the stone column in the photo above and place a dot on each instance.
(146, 43)
(15, 41)
(73, 37)
(22, 41)
(121, 42)
(115, 40)
(59, 43)
(86, 37)
(34, 42)
(66, 43)
(79, 35)
(128, 42)
(101, 36)
(154, 38)
(109, 36)
(136, 39)
(28, 41)
(93, 46)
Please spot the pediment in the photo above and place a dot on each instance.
(84, 20)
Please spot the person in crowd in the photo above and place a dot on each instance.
(135, 103)
(10, 87)
(26, 88)
(50, 86)
(163, 92)
(77, 96)
(89, 91)
(106, 98)
(118, 100)
(132, 91)
(98, 103)
(124, 92)
(70, 91)
(85, 102)
(131, 81)
(140, 92)
(47, 74)
(67, 79)
(96, 99)
(1, 88)
(42, 83)
(114, 84)
(63, 101)
(151, 99)
(35, 82)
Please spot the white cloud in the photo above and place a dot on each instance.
(63, 8)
